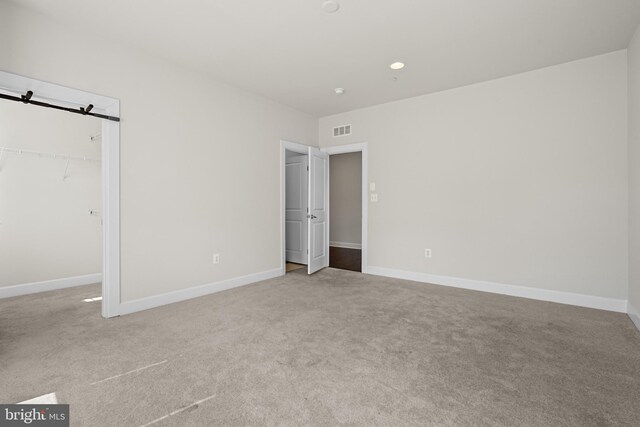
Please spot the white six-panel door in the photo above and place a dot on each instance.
(318, 243)
(296, 199)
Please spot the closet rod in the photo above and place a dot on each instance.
(26, 99)
(20, 151)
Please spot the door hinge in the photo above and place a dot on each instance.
(307, 168)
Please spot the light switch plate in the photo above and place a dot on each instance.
(372, 186)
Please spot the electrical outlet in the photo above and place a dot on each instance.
(374, 197)
(216, 258)
(427, 253)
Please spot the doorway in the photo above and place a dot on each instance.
(69, 100)
(304, 200)
(362, 149)
(50, 201)
(345, 195)
(317, 208)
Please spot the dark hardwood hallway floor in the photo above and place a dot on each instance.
(345, 259)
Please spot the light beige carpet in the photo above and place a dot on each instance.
(334, 348)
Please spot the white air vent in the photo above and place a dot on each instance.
(342, 131)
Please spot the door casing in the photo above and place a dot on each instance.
(357, 148)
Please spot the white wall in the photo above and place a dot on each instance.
(520, 180)
(46, 231)
(182, 136)
(345, 202)
(634, 176)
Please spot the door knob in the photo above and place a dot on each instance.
(312, 216)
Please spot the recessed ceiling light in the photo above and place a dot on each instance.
(397, 66)
(330, 6)
(339, 90)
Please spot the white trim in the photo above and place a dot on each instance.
(602, 303)
(195, 292)
(49, 285)
(14, 83)
(633, 315)
(354, 148)
(345, 245)
(284, 147)
(111, 215)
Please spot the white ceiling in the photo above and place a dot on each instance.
(293, 52)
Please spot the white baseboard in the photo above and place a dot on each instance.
(195, 292)
(609, 304)
(634, 315)
(345, 245)
(49, 285)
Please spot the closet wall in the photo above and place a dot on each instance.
(46, 231)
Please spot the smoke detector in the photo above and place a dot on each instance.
(339, 91)
(330, 6)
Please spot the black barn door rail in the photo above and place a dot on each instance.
(26, 99)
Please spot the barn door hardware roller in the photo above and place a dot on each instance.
(85, 111)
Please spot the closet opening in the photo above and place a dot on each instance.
(59, 195)
(51, 203)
